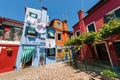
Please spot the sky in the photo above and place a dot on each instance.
(57, 9)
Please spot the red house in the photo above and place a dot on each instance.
(10, 34)
(107, 51)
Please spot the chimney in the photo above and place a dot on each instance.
(44, 8)
(65, 21)
(81, 14)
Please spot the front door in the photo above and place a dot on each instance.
(102, 53)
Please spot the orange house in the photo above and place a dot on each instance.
(62, 35)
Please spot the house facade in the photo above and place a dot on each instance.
(62, 35)
(107, 51)
(32, 49)
(10, 35)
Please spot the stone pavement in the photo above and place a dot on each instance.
(56, 71)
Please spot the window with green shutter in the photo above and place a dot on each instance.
(51, 34)
(30, 32)
(33, 15)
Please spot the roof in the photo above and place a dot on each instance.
(96, 6)
(75, 24)
(11, 22)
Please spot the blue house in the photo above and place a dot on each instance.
(33, 41)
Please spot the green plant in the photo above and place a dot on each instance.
(110, 73)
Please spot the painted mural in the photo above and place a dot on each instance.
(63, 54)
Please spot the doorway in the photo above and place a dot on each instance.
(103, 54)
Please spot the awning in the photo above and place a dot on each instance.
(27, 55)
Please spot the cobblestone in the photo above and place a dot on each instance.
(56, 71)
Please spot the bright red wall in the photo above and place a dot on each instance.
(99, 14)
(7, 63)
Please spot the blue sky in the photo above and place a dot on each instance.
(57, 9)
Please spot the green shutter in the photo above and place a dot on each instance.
(117, 13)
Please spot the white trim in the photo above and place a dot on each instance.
(76, 32)
(113, 10)
(9, 42)
(90, 24)
(117, 41)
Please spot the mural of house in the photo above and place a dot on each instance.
(10, 35)
(33, 41)
(107, 51)
(62, 35)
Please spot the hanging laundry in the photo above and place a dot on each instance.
(50, 43)
(40, 27)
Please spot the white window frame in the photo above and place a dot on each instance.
(112, 11)
(90, 24)
(76, 32)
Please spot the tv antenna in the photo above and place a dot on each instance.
(41, 3)
(65, 17)
(82, 4)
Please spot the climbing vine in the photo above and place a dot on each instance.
(108, 29)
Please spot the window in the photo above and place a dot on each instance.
(58, 24)
(17, 34)
(33, 15)
(1, 32)
(51, 52)
(59, 36)
(30, 32)
(59, 51)
(66, 50)
(77, 33)
(51, 34)
(91, 27)
(112, 15)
